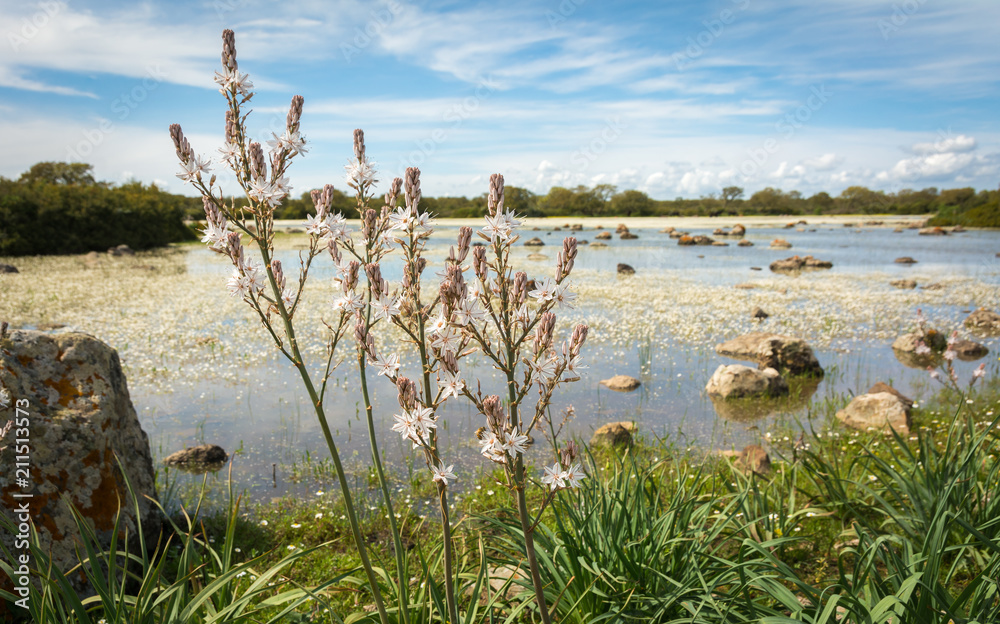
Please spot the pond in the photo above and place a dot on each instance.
(200, 368)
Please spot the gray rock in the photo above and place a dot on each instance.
(780, 243)
(121, 250)
(903, 283)
(628, 236)
(613, 434)
(82, 423)
(784, 353)
(905, 260)
(736, 381)
(621, 383)
(759, 314)
(882, 411)
(969, 351)
(625, 269)
(744, 243)
(884, 387)
(933, 231)
(8, 268)
(598, 245)
(534, 242)
(603, 236)
(797, 263)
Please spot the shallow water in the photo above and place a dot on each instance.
(201, 370)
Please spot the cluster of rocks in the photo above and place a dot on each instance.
(121, 250)
(737, 231)
(780, 243)
(774, 354)
(797, 263)
(984, 322)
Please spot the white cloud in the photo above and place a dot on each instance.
(948, 144)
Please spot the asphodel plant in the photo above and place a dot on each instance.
(481, 305)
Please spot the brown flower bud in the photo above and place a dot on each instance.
(334, 250)
(351, 278)
(279, 275)
(359, 144)
(496, 414)
(543, 332)
(393, 194)
(519, 289)
(495, 199)
(569, 453)
(578, 338)
(480, 264)
(412, 185)
(258, 166)
(294, 114)
(464, 239)
(449, 362)
(369, 225)
(407, 393)
(181, 145)
(374, 273)
(229, 49)
(230, 126)
(565, 258)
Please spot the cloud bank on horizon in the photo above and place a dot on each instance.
(674, 99)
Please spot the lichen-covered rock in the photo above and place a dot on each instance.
(736, 381)
(969, 351)
(933, 231)
(796, 263)
(621, 383)
(906, 348)
(603, 236)
(784, 353)
(613, 434)
(534, 242)
(8, 268)
(882, 411)
(80, 420)
(745, 243)
(628, 236)
(903, 283)
(984, 321)
(780, 243)
(905, 260)
(625, 269)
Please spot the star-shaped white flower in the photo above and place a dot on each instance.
(288, 297)
(385, 307)
(193, 168)
(451, 383)
(293, 142)
(564, 296)
(443, 475)
(554, 477)
(238, 284)
(515, 443)
(545, 290)
(573, 476)
(215, 235)
(387, 365)
(437, 325)
(350, 301)
(545, 368)
(447, 340)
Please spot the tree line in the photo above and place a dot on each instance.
(60, 208)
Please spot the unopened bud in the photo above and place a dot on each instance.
(392, 195)
(495, 199)
(181, 145)
(543, 332)
(294, 114)
(359, 144)
(480, 264)
(519, 289)
(258, 166)
(279, 276)
(229, 49)
(374, 273)
(412, 186)
(578, 338)
(496, 415)
(565, 258)
(351, 278)
(407, 393)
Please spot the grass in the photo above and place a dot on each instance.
(847, 526)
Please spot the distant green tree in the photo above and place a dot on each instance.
(59, 173)
(730, 194)
(632, 203)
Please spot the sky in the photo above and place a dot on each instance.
(676, 99)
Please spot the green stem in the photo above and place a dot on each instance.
(522, 504)
(401, 573)
(352, 516)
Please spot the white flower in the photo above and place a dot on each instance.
(447, 340)
(230, 152)
(423, 419)
(423, 221)
(922, 349)
(497, 227)
(554, 476)
(401, 219)
(574, 475)
(564, 296)
(443, 475)
(452, 383)
(545, 369)
(350, 301)
(544, 290)
(293, 142)
(215, 236)
(385, 307)
(515, 443)
(314, 225)
(359, 173)
(949, 355)
(335, 226)
(387, 365)
(287, 297)
(468, 311)
(405, 425)
(232, 78)
(193, 168)
(491, 448)
(238, 284)
(439, 323)
(260, 189)
(522, 315)
(979, 372)
(573, 364)
(255, 273)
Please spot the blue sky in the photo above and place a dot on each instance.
(672, 98)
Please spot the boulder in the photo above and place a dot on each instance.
(905, 348)
(796, 263)
(738, 230)
(82, 423)
(667, 230)
(903, 283)
(603, 236)
(780, 243)
(752, 409)
(745, 243)
(698, 239)
(537, 257)
(598, 245)
(934, 286)
(759, 314)
(625, 269)
(883, 411)
(613, 434)
(621, 228)
(932, 231)
(735, 381)
(621, 383)
(582, 241)
(628, 236)
(720, 244)
(784, 353)
(884, 387)
(753, 458)
(8, 268)
(678, 234)
(534, 242)
(201, 454)
(984, 321)
(969, 351)
(905, 260)
(958, 229)
(576, 227)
